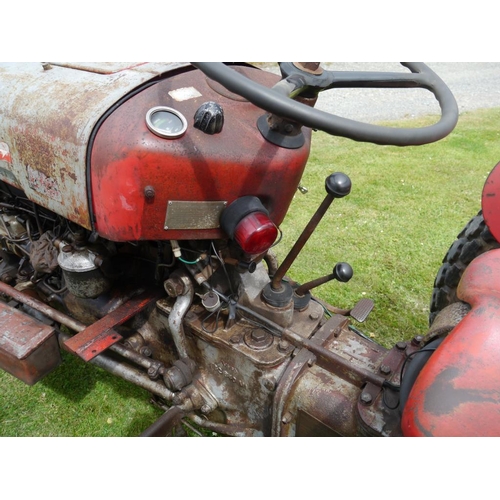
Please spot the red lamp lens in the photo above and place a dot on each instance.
(255, 233)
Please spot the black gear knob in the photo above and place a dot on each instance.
(209, 118)
(338, 185)
(343, 272)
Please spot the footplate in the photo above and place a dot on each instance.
(97, 337)
(28, 348)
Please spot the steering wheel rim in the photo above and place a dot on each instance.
(275, 102)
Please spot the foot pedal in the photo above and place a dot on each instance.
(362, 309)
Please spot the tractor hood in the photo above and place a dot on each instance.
(47, 114)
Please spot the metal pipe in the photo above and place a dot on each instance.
(41, 307)
(176, 317)
(334, 363)
(128, 373)
(227, 429)
(165, 424)
(71, 323)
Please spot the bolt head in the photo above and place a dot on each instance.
(259, 335)
(385, 369)
(149, 192)
(283, 345)
(366, 398)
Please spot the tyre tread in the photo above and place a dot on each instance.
(471, 242)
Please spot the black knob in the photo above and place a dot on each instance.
(209, 118)
(343, 272)
(338, 185)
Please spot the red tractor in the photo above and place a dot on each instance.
(139, 205)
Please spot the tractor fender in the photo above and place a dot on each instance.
(457, 393)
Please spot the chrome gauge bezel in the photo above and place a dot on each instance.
(161, 132)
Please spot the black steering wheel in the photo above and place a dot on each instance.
(299, 82)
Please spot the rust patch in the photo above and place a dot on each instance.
(39, 182)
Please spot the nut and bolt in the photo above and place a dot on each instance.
(205, 409)
(314, 316)
(146, 351)
(287, 418)
(401, 346)
(386, 370)
(236, 339)
(179, 398)
(269, 384)
(283, 345)
(259, 335)
(366, 398)
(174, 287)
(416, 341)
(149, 192)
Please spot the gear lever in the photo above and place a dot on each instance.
(279, 293)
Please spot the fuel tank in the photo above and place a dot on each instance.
(79, 139)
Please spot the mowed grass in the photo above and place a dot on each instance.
(406, 207)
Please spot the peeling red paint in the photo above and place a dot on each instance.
(457, 393)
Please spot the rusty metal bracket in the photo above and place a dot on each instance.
(97, 337)
(296, 368)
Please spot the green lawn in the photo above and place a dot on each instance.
(406, 207)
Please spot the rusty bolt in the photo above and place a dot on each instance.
(385, 369)
(283, 345)
(235, 339)
(174, 287)
(205, 409)
(259, 335)
(401, 346)
(146, 351)
(417, 340)
(366, 398)
(149, 192)
(179, 398)
(269, 384)
(7, 278)
(314, 316)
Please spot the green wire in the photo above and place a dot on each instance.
(187, 261)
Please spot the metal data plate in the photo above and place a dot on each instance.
(194, 214)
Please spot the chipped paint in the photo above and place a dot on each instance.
(47, 115)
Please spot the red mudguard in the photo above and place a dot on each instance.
(490, 200)
(457, 392)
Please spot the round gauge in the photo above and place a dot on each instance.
(166, 122)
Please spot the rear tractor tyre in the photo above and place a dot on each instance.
(474, 240)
